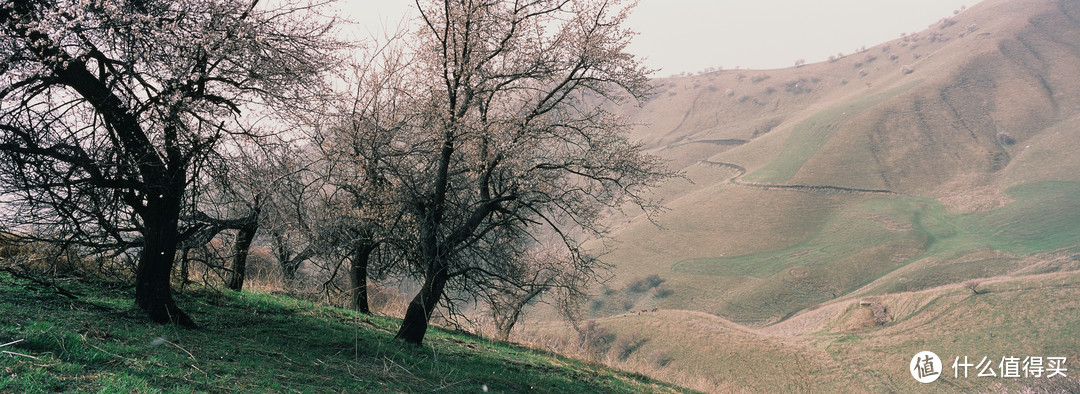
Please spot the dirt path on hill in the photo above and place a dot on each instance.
(804, 188)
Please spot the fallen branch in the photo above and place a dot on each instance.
(11, 343)
(14, 353)
(178, 347)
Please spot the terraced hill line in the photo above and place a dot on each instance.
(805, 188)
(723, 142)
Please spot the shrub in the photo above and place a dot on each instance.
(906, 69)
(658, 358)
(1005, 139)
(626, 345)
(972, 285)
(594, 338)
(596, 305)
(641, 285)
(936, 36)
(797, 86)
(662, 291)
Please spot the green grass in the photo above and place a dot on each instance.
(1045, 216)
(812, 134)
(855, 247)
(252, 342)
(848, 251)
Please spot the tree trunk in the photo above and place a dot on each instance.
(415, 323)
(289, 264)
(505, 324)
(185, 272)
(153, 292)
(502, 331)
(358, 276)
(238, 270)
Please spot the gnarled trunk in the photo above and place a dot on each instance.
(415, 323)
(153, 292)
(238, 270)
(244, 236)
(511, 312)
(358, 276)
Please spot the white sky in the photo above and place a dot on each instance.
(691, 35)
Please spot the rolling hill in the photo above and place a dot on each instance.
(940, 157)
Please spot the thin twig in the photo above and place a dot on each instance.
(110, 353)
(17, 354)
(185, 350)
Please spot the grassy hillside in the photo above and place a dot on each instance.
(838, 346)
(252, 342)
(926, 153)
(894, 175)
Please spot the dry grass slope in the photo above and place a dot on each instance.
(971, 126)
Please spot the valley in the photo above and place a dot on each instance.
(894, 175)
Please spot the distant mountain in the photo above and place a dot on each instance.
(939, 157)
(938, 133)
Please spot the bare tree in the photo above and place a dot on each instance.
(244, 191)
(358, 152)
(107, 107)
(510, 139)
(528, 277)
(973, 285)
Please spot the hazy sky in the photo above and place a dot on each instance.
(691, 35)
